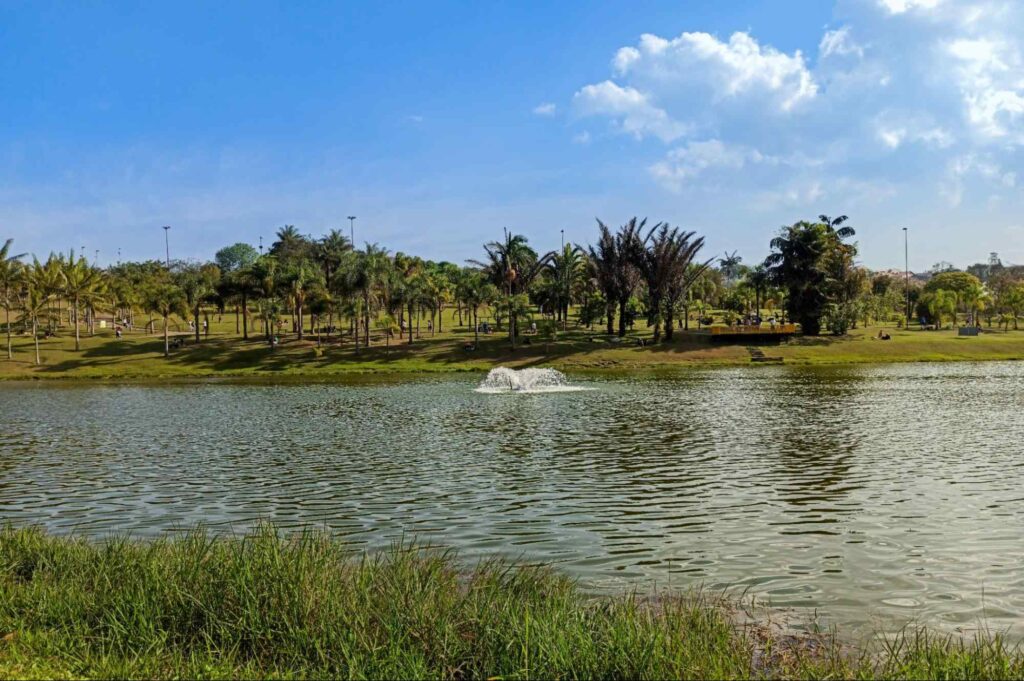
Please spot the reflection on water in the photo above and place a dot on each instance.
(874, 494)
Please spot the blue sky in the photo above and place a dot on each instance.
(437, 124)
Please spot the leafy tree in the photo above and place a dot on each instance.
(231, 259)
(803, 261)
(664, 260)
(937, 305)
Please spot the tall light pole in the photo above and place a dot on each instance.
(261, 244)
(906, 271)
(96, 258)
(167, 245)
(352, 229)
(563, 239)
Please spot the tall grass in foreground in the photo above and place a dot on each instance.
(261, 605)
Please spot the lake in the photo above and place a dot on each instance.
(873, 495)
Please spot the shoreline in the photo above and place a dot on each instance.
(226, 357)
(267, 604)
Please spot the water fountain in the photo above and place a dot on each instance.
(506, 380)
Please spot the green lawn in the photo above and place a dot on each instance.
(139, 355)
(262, 606)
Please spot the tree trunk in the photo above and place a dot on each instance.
(245, 317)
(298, 311)
(167, 340)
(77, 344)
(622, 316)
(669, 322)
(410, 323)
(35, 337)
(195, 315)
(10, 354)
(238, 329)
(610, 311)
(476, 329)
(440, 314)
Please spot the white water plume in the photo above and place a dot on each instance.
(505, 380)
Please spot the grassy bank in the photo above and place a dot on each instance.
(223, 353)
(262, 606)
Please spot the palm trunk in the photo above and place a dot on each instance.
(245, 317)
(77, 341)
(10, 354)
(237, 321)
(298, 309)
(622, 316)
(167, 340)
(195, 314)
(476, 329)
(610, 311)
(410, 323)
(35, 337)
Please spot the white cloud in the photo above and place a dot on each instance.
(730, 69)
(582, 138)
(689, 161)
(901, 6)
(630, 108)
(839, 43)
(989, 72)
(545, 109)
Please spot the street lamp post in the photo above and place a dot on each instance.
(563, 239)
(352, 229)
(261, 244)
(167, 245)
(906, 271)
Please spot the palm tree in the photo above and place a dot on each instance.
(165, 299)
(386, 325)
(512, 266)
(35, 299)
(566, 269)
(730, 266)
(834, 223)
(198, 283)
(603, 268)
(664, 263)
(291, 246)
(301, 281)
(759, 280)
(81, 280)
(10, 276)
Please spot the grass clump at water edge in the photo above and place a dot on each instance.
(263, 605)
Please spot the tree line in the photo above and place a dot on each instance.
(636, 271)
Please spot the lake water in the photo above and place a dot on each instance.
(873, 495)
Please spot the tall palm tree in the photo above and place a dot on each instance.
(628, 245)
(165, 299)
(512, 266)
(833, 225)
(603, 268)
(759, 280)
(36, 294)
(10, 277)
(81, 280)
(729, 264)
(198, 283)
(665, 262)
(566, 269)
